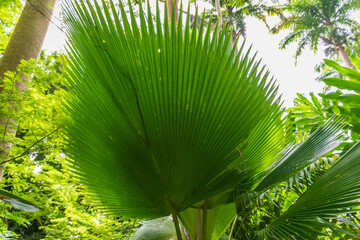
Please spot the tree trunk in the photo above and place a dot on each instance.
(25, 43)
(169, 4)
(218, 11)
(340, 49)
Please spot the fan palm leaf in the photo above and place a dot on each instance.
(157, 111)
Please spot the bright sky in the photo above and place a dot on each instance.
(291, 79)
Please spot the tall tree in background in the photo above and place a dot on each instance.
(171, 4)
(327, 20)
(25, 44)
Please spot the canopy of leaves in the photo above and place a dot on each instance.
(311, 21)
(236, 11)
(37, 169)
(9, 13)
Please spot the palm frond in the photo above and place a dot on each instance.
(156, 112)
(336, 192)
(263, 146)
(320, 142)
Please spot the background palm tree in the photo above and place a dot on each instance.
(325, 20)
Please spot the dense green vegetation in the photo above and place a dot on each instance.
(146, 120)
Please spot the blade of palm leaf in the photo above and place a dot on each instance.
(320, 142)
(109, 180)
(218, 220)
(114, 94)
(216, 191)
(147, 102)
(114, 87)
(335, 192)
(264, 144)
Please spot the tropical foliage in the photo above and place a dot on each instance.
(165, 120)
(341, 99)
(37, 169)
(172, 124)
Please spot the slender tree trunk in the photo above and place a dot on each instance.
(218, 11)
(198, 225)
(25, 43)
(170, 4)
(340, 49)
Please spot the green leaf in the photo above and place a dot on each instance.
(308, 120)
(336, 192)
(349, 72)
(315, 101)
(157, 229)
(156, 113)
(343, 84)
(356, 111)
(18, 202)
(334, 109)
(320, 142)
(263, 146)
(355, 60)
(218, 220)
(331, 95)
(353, 99)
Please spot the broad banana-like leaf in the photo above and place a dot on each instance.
(336, 192)
(343, 84)
(351, 73)
(18, 202)
(355, 60)
(217, 221)
(351, 99)
(324, 139)
(157, 111)
(156, 229)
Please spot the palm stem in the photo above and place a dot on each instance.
(232, 227)
(176, 223)
(198, 224)
(204, 220)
